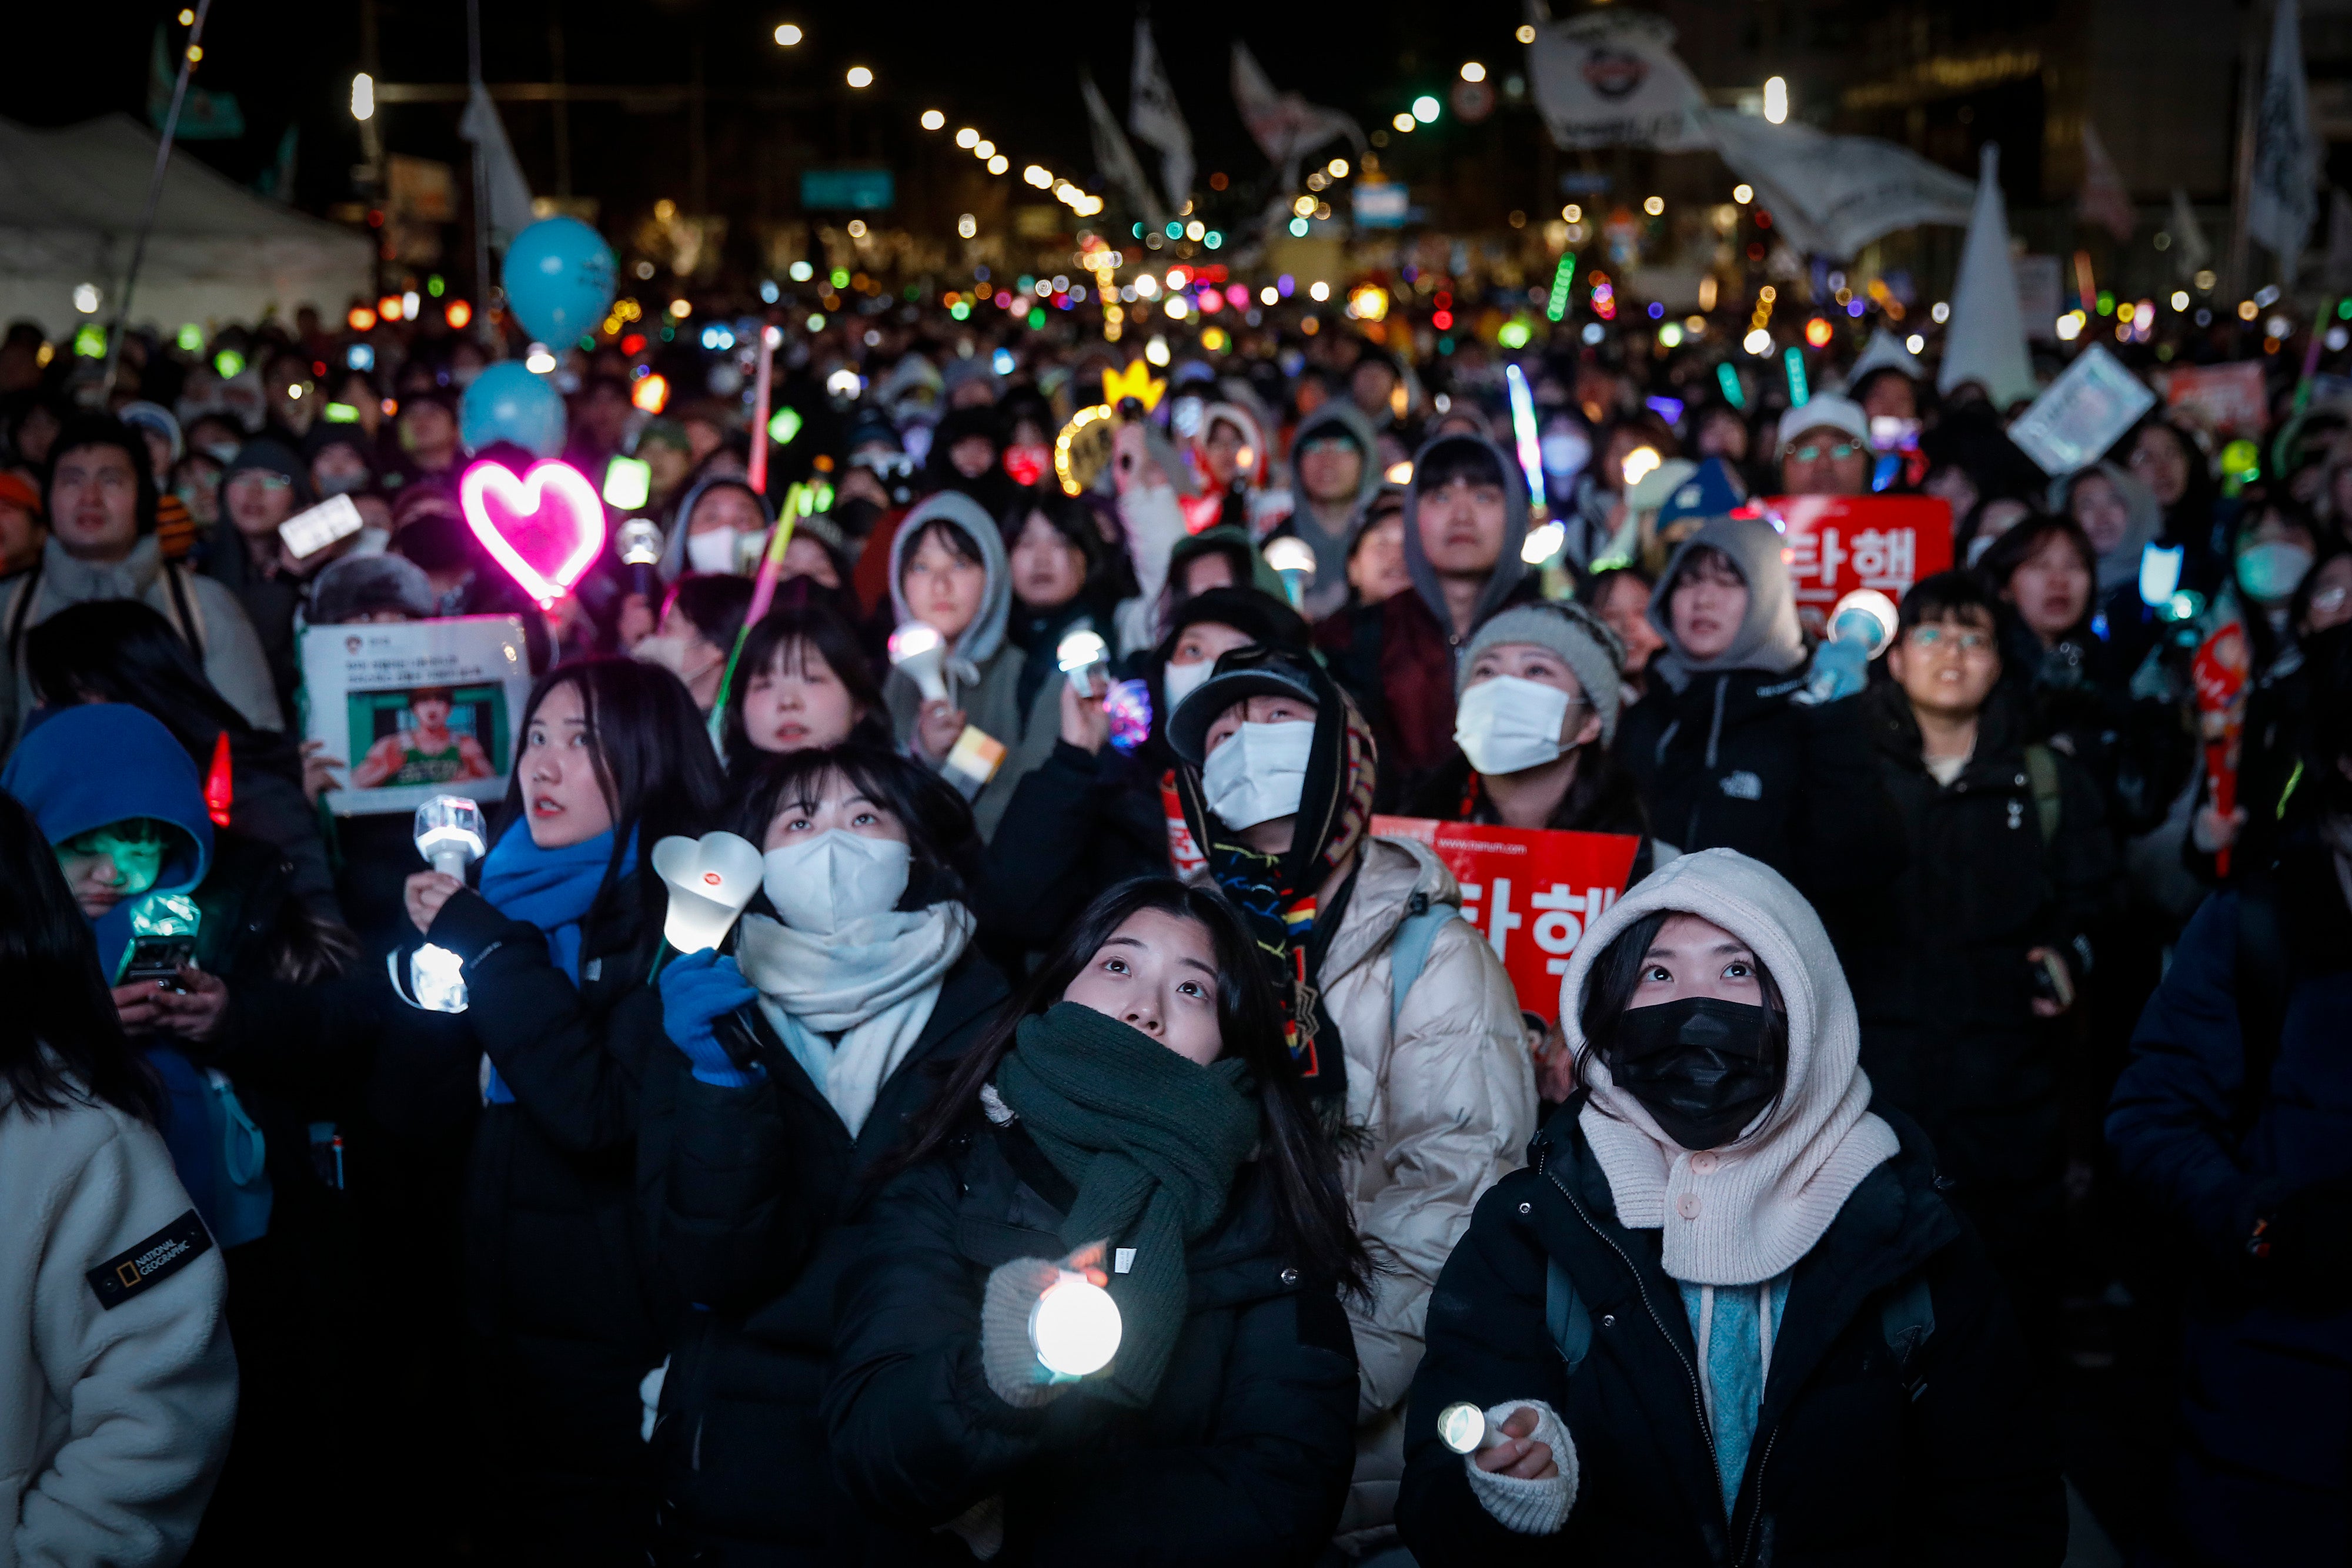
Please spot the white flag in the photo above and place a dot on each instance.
(1985, 341)
(1285, 126)
(506, 200)
(1115, 159)
(2284, 199)
(1152, 114)
(1610, 79)
(1831, 195)
(2103, 199)
(2191, 249)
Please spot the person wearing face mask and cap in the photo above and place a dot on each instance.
(1726, 1308)
(715, 520)
(852, 984)
(1430, 1068)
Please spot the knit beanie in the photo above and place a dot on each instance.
(1592, 652)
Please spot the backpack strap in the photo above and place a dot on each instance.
(1906, 1319)
(1408, 949)
(2042, 770)
(1565, 1316)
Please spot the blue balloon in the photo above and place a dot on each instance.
(508, 402)
(559, 279)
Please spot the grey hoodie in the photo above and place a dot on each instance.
(1508, 568)
(1769, 638)
(2121, 564)
(1337, 417)
(982, 639)
(673, 557)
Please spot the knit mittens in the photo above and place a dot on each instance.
(1006, 1357)
(1527, 1507)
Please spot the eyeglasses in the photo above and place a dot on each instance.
(1815, 453)
(1938, 637)
(266, 480)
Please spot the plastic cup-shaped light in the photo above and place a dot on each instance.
(1866, 616)
(1464, 1429)
(1074, 1326)
(437, 977)
(641, 543)
(1079, 655)
(1293, 560)
(449, 833)
(919, 650)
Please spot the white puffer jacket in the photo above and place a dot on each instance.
(113, 1422)
(1447, 1101)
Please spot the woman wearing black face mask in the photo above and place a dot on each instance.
(1723, 1314)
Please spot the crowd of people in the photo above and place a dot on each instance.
(1962, 989)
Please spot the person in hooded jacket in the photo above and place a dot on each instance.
(849, 990)
(1725, 1316)
(2233, 1120)
(1132, 1120)
(1055, 553)
(1400, 660)
(1429, 1072)
(550, 1058)
(948, 570)
(1963, 964)
(265, 485)
(1534, 718)
(1333, 473)
(718, 519)
(2122, 518)
(1730, 747)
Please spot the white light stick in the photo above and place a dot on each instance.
(920, 651)
(1465, 1428)
(449, 836)
(641, 543)
(1523, 430)
(709, 880)
(1866, 616)
(1075, 1327)
(1292, 558)
(1080, 654)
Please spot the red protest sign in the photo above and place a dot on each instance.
(1836, 544)
(2224, 400)
(1530, 891)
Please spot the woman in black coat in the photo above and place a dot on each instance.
(1134, 1122)
(1724, 1317)
(851, 989)
(561, 1033)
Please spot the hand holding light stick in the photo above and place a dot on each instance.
(917, 649)
(1080, 654)
(1864, 616)
(1293, 560)
(450, 837)
(1075, 1328)
(1464, 1427)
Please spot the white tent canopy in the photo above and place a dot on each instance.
(69, 205)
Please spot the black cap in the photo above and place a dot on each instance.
(1241, 673)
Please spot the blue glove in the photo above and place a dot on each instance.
(1841, 669)
(697, 990)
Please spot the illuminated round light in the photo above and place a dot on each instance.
(1776, 100)
(933, 120)
(1318, 291)
(459, 315)
(1939, 312)
(85, 298)
(1640, 462)
(1543, 544)
(1337, 168)
(1817, 332)
(966, 226)
(1759, 341)
(1424, 108)
(1526, 33)
(967, 137)
(1656, 206)
(788, 35)
(1743, 195)
(1473, 71)
(859, 76)
(998, 165)
(539, 362)
(984, 149)
(680, 308)
(1915, 343)
(1075, 1327)
(1403, 122)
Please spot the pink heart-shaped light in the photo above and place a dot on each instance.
(546, 529)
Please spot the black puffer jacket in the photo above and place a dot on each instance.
(1242, 1459)
(557, 1298)
(1733, 761)
(1944, 1458)
(753, 1192)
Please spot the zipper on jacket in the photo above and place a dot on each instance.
(1698, 1400)
(1749, 1541)
(1714, 730)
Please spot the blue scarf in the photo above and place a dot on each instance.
(552, 889)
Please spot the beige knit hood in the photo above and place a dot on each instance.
(1746, 1213)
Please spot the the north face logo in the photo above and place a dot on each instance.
(1743, 786)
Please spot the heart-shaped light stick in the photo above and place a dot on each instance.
(545, 528)
(710, 880)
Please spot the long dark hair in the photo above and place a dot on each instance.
(792, 634)
(944, 844)
(1310, 1209)
(60, 1040)
(652, 758)
(1617, 974)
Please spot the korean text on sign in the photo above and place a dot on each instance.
(1835, 544)
(1531, 893)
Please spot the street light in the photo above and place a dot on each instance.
(933, 120)
(1473, 71)
(860, 76)
(363, 97)
(1424, 108)
(788, 35)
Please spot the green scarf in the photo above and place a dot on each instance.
(1152, 1141)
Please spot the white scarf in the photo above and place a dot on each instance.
(850, 1005)
(1759, 1205)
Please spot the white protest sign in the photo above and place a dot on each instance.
(417, 709)
(2078, 417)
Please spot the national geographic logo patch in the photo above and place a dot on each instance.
(159, 1257)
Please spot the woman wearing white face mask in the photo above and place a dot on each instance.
(717, 521)
(1436, 1084)
(847, 985)
(1536, 712)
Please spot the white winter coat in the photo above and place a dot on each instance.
(1448, 1103)
(113, 1423)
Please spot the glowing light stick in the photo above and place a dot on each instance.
(545, 528)
(1080, 654)
(1523, 430)
(1465, 1428)
(919, 650)
(1293, 560)
(449, 836)
(710, 880)
(1075, 1327)
(1866, 616)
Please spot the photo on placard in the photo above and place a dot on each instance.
(428, 734)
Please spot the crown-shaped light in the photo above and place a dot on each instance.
(1135, 382)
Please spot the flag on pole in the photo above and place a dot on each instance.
(2284, 199)
(1285, 126)
(1831, 195)
(1152, 114)
(2191, 251)
(508, 195)
(2104, 201)
(1115, 159)
(1611, 79)
(1985, 341)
